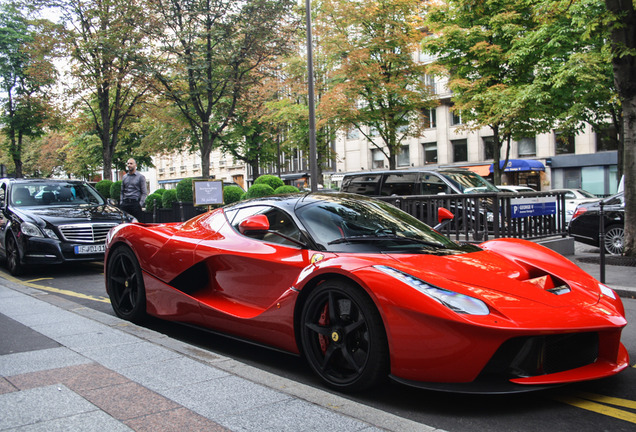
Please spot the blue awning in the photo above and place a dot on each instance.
(515, 165)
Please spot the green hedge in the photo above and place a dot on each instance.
(270, 180)
(103, 187)
(259, 190)
(168, 198)
(232, 194)
(115, 190)
(184, 190)
(285, 189)
(150, 201)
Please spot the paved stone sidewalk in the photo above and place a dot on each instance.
(74, 369)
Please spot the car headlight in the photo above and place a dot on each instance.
(30, 230)
(607, 291)
(456, 302)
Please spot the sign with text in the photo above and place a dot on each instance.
(537, 206)
(207, 192)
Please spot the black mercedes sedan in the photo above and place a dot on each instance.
(46, 221)
(585, 227)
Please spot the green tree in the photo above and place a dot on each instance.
(207, 50)
(378, 86)
(26, 72)
(106, 39)
(475, 43)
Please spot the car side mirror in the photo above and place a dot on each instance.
(444, 214)
(254, 223)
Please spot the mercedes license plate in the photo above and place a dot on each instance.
(90, 249)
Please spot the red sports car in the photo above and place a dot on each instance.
(364, 291)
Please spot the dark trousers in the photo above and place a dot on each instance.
(133, 208)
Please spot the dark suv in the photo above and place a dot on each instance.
(416, 182)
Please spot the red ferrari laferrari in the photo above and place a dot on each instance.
(364, 291)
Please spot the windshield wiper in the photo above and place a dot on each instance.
(362, 238)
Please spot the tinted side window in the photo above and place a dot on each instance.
(433, 185)
(399, 184)
(364, 184)
(279, 221)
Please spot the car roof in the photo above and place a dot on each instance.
(409, 171)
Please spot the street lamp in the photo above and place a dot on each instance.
(313, 158)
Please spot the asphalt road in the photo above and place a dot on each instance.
(608, 404)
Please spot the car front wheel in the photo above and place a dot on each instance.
(13, 257)
(614, 239)
(126, 285)
(343, 337)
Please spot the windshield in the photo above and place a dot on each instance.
(352, 224)
(61, 193)
(586, 194)
(469, 182)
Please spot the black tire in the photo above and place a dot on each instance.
(343, 337)
(15, 267)
(614, 239)
(126, 285)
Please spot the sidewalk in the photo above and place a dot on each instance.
(66, 367)
(620, 272)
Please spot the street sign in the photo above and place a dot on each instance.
(207, 192)
(537, 206)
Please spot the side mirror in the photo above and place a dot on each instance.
(253, 223)
(444, 214)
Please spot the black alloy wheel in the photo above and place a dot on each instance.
(126, 285)
(13, 256)
(343, 337)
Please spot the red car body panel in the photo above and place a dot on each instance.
(254, 286)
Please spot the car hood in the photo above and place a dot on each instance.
(60, 215)
(489, 274)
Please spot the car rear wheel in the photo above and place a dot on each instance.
(614, 239)
(126, 285)
(343, 338)
(13, 256)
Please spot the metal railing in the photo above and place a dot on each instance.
(479, 217)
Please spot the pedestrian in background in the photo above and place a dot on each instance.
(133, 190)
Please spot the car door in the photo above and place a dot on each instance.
(251, 289)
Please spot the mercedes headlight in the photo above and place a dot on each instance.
(30, 230)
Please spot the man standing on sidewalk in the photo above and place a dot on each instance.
(133, 190)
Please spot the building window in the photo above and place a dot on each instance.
(456, 118)
(430, 118)
(353, 134)
(489, 147)
(527, 146)
(607, 139)
(377, 158)
(460, 150)
(403, 157)
(564, 143)
(430, 153)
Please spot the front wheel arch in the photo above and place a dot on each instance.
(125, 284)
(357, 357)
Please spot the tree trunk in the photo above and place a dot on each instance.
(496, 155)
(624, 63)
(629, 170)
